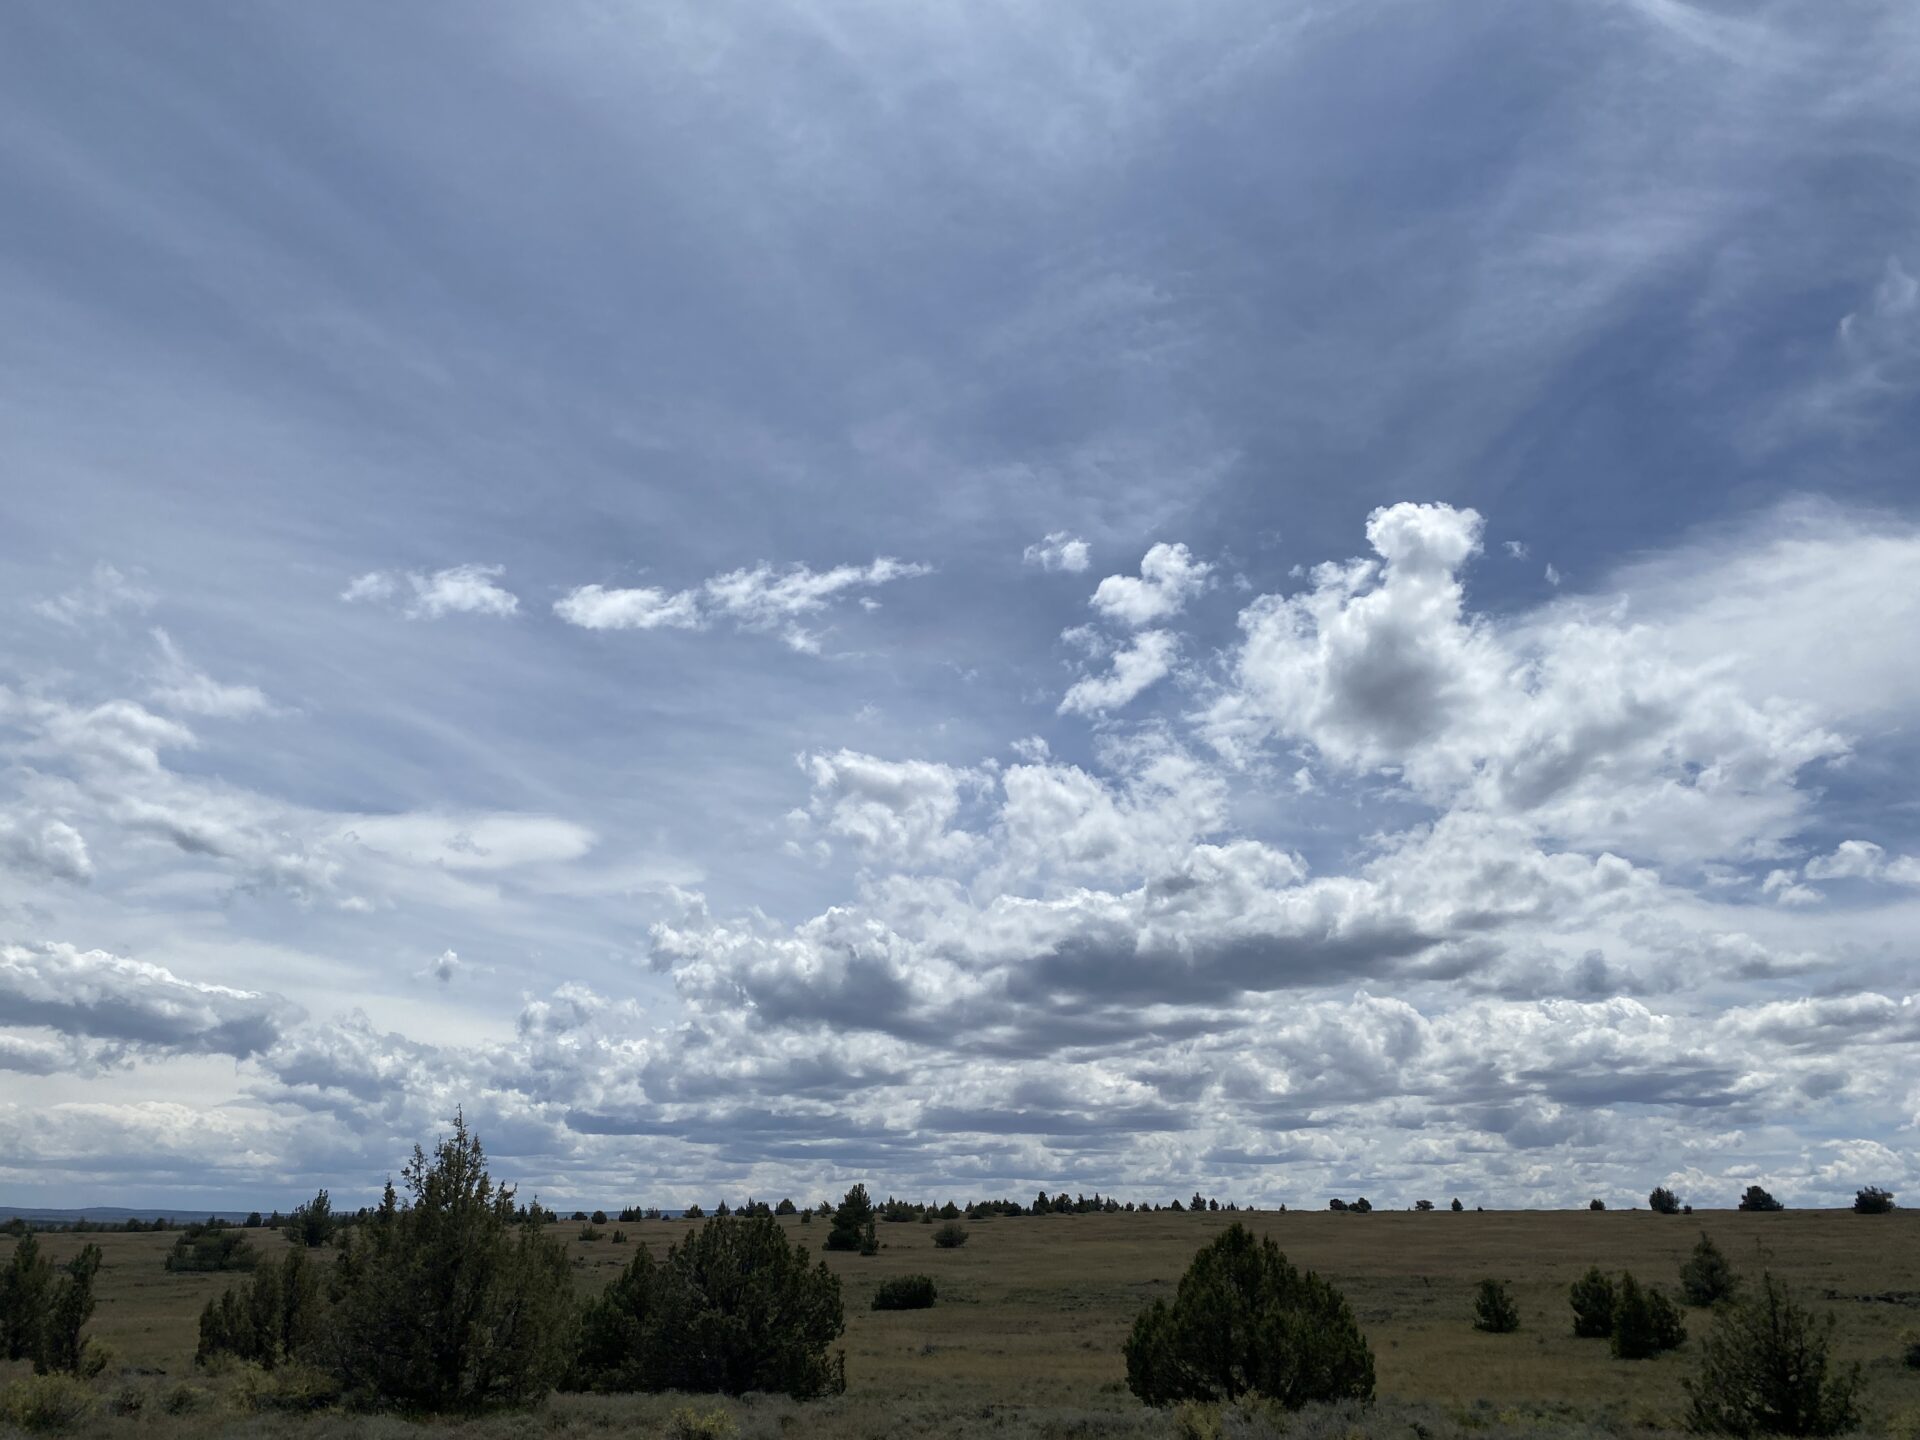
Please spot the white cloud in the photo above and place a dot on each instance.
(47, 847)
(182, 686)
(1145, 659)
(1060, 550)
(899, 813)
(594, 607)
(1169, 577)
(468, 589)
(102, 593)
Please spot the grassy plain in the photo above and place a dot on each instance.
(1033, 1311)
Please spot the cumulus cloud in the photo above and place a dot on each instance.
(469, 589)
(46, 847)
(761, 597)
(1059, 550)
(131, 1003)
(896, 812)
(1145, 660)
(1169, 577)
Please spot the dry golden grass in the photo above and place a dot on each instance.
(1033, 1311)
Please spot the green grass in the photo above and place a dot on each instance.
(1026, 1338)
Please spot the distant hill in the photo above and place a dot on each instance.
(112, 1214)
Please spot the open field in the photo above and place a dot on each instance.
(1026, 1338)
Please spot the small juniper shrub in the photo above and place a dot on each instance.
(1645, 1322)
(1663, 1201)
(1494, 1310)
(1766, 1369)
(905, 1292)
(45, 1404)
(950, 1236)
(1707, 1278)
(1872, 1201)
(1593, 1301)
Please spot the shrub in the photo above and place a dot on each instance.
(277, 1316)
(1423, 1205)
(1645, 1322)
(1596, 1203)
(599, 1217)
(950, 1236)
(1246, 1322)
(289, 1389)
(1663, 1201)
(1911, 1356)
(449, 1303)
(1593, 1300)
(1765, 1371)
(687, 1423)
(906, 1292)
(1457, 1207)
(46, 1404)
(1494, 1310)
(1706, 1278)
(735, 1307)
(1758, 1199)
(853, 1224)
(202, 1248)
(1872, 1201)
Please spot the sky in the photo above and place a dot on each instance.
(1290, 599)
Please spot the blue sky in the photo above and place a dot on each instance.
(1292, 599)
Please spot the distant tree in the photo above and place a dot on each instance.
(1246, 1322)
(1199, 1202)
(950, 1236)
(1663, 1201)
(313, 1223)
(1706, 1278)
(693, 1212)
(1766, 1369)
(448, 1303)
(806, 1217)
(1645, 1322)
(853, 1227)
(734, 1308)
(1336, 1204)
(1872, 1201)
(1042, 1204)
(1758, 1199)
(1494, 1310)
(200, 1248)
(949, 1211)
(1423, 1205)
(1362, 1205)
(722, 1210)
(905, 1292)
(1593, 1302)
(619, 1237)
(1596, 1203)
(1457, 1207)
(253, 1221)
(599, 1217)
(58, 1347)
(1176, 1205)
(785, 1207)
(24, 1287)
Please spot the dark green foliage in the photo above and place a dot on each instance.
(905, 1292)
(1457, 1207)
(24, 1287)
(450, 1304)
(58, 1346)
(1593, 1301)
(313, 1223)
(1758, 1199)
(1494, 1310)
(785, 1207)
(1246, 1322)
(950, 1236)
(1663, 1201)
(1706, 1278)
(1765, 1370)
(1423, 1205)
(277, 1316)
(1872, 1201)
(201, 1248)
(1596, 1203)
(950, 1211)
(1911, 1356)
(853, 1224)
(693, 1212)
(1645, 1322)
(734, 1308)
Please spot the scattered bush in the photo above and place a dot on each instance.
(1706, 1278)
(687, 1423)
(276, 1317)
(1663, 1201)
(853, 1227)
(449, 1303)
(290, 1389)
(906, 1292)
(1246, 1322)
(1765, 1371)
(1645, 1322)
(202, 1248)
(1758, 1199)
(1596, 1203)
(950, 1236)
(313, 1223)
(1872, 1201)
(735, 1307)
(1593, 1299)
(1423, 1205)
(46, 1404)
(1494, 1310)
(24, 1287)
(1457, 1207)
